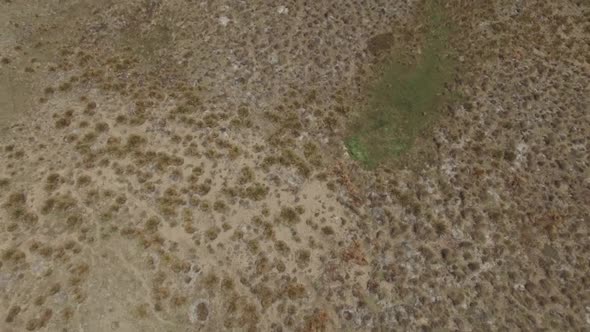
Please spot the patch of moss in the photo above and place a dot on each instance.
(406, 99)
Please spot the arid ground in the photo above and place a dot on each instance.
(296, 165)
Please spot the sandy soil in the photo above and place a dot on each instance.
(180, 165)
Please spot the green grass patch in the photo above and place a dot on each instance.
(406, 98)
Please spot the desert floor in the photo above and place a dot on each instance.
(296, 165)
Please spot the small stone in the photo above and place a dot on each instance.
(283, 10)
(223, 20)
(274, 58)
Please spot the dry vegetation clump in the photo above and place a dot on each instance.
(53, 182)
(4, 182)
(17, 209)
(60, 203)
